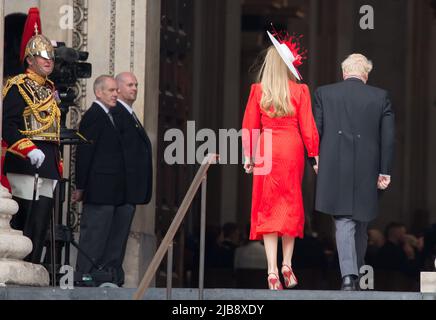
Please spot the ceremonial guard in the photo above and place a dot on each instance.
(31, 129)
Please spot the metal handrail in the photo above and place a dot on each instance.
(167, 242)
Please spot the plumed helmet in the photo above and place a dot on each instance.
(39, 45)
(33, 43)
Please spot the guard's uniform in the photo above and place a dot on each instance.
(31, 120)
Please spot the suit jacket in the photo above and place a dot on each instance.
(100, 165)
(137, 154)
(356, 127)
(13, 108)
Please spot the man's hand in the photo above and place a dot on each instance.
(248, 165)
(315, 167)
(409, 250)
(77, 196)
(383, 182)
(36, 157)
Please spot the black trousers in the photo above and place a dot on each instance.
(33, 219)
(104, 231)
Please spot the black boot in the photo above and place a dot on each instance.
(36, 227)
(18, 220)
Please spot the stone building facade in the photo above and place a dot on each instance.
(199, 51)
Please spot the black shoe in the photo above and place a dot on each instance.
(349, 283)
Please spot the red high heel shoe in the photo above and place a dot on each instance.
(289, 277)
(274, 282)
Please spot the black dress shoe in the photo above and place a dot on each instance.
(349, 283)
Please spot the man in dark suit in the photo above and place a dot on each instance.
(356, 127)
(136, 144)
(100, 180)
(137, 153)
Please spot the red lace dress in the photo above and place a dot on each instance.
(277, 203)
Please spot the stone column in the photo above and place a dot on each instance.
(428, 279)
(13, 245)
(13, 6)
(230, 114)
(431, 127)
(416, 115)
(51, 16)
(144, 62)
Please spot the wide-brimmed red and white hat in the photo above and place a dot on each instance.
(290, 50)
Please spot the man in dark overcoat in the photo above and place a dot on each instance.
(356, 127)
(100, 181)
(137, 152)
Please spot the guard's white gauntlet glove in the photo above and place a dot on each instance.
(36, 157)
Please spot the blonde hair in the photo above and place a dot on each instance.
(356, 64)
(274, 76)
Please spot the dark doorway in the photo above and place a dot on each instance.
(14, 26)
(175, 105)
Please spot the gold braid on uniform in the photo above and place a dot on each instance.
(42, 105)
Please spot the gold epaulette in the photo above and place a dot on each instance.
(17, 80)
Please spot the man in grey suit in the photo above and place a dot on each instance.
(356, 127)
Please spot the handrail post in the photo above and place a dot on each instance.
(202, 238)
(170, 270)
(200, 178)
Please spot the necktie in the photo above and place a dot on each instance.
(136, 120)
(111, 118)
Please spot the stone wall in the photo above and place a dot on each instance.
(119, 36)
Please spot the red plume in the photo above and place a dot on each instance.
(31, 28)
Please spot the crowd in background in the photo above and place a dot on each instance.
(232, 261)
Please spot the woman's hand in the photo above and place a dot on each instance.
(315, 167)
(248, 165)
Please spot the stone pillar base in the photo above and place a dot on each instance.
(428, 282)
(139, 253)
(14, 247)
(23, 274)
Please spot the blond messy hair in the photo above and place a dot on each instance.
(357, 64)
(274, 77)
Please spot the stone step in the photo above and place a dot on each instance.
(26, 293)
(428, 282)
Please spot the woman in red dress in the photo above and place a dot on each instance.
(278, 124)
